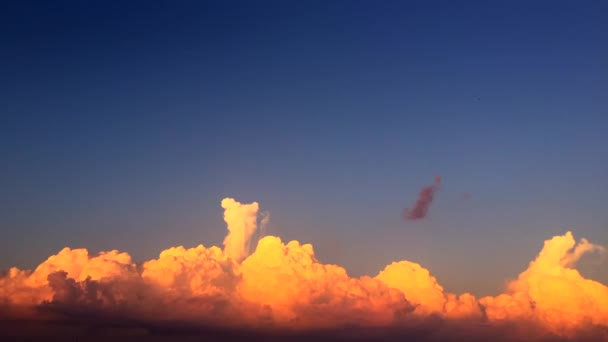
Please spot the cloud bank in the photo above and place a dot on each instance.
(281, 290)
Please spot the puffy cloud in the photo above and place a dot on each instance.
(300, 291)
(191, 272)
(193, 284)
(423, 290)
(553, 293)
(283, 286)
(242, 224)
(79, 266)
(30, 288)
(417, 283)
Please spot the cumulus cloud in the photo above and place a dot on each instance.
(552, 293)
(423, 290)
(281, 288)
(301, 292)
(241, 220)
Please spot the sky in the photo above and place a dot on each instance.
(124, 124)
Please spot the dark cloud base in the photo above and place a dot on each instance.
(117, 331)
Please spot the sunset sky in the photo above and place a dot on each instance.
(124, 124)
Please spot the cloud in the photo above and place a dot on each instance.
(280, 290)
(301, 292)
(425, 198)
(552, 293)
(423, 290)
(242, 224)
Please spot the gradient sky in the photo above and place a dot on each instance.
(124, 124)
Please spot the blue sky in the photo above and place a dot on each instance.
(124, 125)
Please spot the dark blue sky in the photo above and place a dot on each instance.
(124, 124)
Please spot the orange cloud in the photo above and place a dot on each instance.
(552, 293)
(283, 286)
(241, 220)
(301, 292)
(423, 290)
